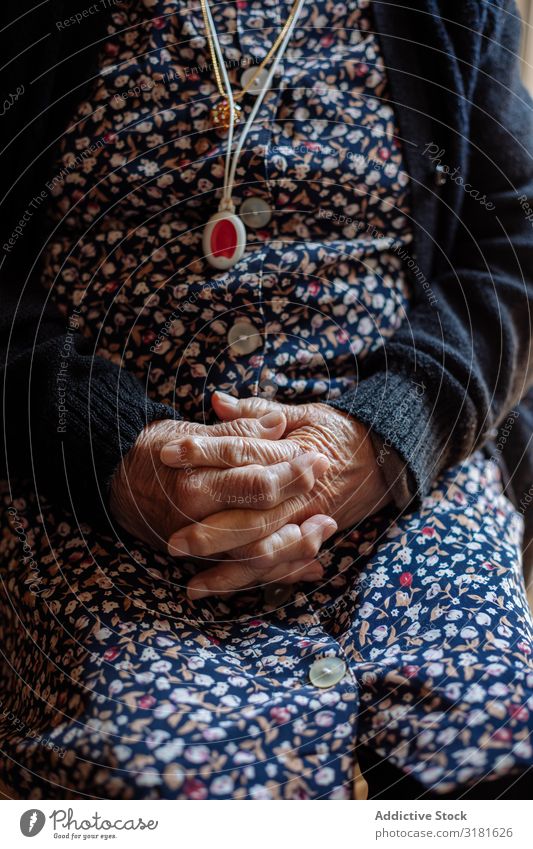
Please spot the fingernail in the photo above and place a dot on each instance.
(178, 547)
(228, 399)
(325, 524)
(271, 420)
(170, 455)
(331, 525)
(198, 590)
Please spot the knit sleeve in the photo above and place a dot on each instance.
(69, 415)
(438, 389)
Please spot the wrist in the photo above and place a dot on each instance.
(138, 479)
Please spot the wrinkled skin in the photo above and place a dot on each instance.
(281, 540)
(264, 489)
(152, 499)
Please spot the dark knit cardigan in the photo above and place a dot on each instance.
(437, 390)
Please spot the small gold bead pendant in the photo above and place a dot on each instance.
(220, 115)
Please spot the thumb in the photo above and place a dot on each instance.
(268, 425)
(229, 408)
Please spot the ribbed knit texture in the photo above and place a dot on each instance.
(70, 418)
(387, 403)
(461, 360)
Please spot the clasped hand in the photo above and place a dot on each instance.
(264, 489)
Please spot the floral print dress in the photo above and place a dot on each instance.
(113, 684)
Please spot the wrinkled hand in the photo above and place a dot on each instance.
(273, 541)
(151, 500)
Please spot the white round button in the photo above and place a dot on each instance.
(259, 82)
(327, 672)
(243, 338)
(255, 212)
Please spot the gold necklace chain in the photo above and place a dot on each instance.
(264, 63)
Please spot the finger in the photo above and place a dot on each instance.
(295, 541)
(229, 408)
(286, 574)
(270, 425)
(224, 530)
(227, 452)
(256, 487)
(227, 529)
(292, 542)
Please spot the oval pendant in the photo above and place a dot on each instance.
(224, 240)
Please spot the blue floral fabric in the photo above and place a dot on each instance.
(114, 685)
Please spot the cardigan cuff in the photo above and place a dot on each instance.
(406, 424)
(398, 478)
(101, 423)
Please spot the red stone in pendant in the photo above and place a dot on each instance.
(224, 240)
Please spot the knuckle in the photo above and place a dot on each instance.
(268, 485)
(259, 405)
(242, 427)
(241, 452)
(299, 507)
(306, 480)
(263, 523)
(192, 428)
(230, 452)
(198, 539)
(259, 484)
(289, 535)
(263, 552)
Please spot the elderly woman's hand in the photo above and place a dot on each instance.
(151, 500)
(268, 544)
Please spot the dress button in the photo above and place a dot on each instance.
(277, 594)
(243, 338)
(327, 672)
(255, 212)
(259, 82)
